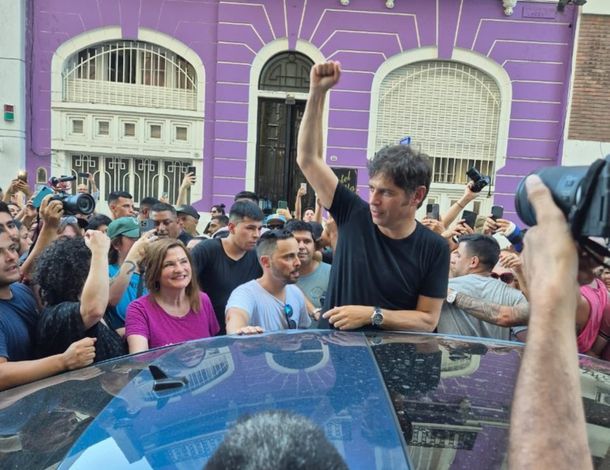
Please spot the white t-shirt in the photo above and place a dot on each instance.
(267, 311)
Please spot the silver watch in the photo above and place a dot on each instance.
(451, 296)
(377, 317)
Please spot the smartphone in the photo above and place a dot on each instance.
(304, 187)
(433, 211)
(40, 195)
(282, 204)
(470, 218)
(22, 175)
(497, 212)
(192, 169)
(146, 225)
(83, 175)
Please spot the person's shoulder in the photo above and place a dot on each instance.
(323, 268)
(207, 246)
(249, 286)
(431, 239)
(20, 290)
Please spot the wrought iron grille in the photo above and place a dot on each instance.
(286, 71)
(140, 176)
(451, 112)
(130, 73)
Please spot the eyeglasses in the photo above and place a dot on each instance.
(275, 227)
(288, 312)
(504, 277)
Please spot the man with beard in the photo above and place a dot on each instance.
(313, 274)
(271, 302)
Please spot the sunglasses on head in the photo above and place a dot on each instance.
(504, 277)
(288, 312)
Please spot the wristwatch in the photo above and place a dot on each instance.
(451, 296)
(377, 317)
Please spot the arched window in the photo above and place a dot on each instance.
(450, 110)
(130, 73)
(286, 71)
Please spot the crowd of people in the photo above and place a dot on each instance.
(78, 288)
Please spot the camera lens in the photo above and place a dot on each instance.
(564, 184)
(79, 204)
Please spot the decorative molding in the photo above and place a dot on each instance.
(509, 6)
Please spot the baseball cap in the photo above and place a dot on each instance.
(126, 226)
(188, 210)
(275, 217)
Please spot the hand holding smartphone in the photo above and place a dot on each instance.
(470, 218)
(433, 211)
(497, 212)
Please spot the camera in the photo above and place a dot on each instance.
(581, 192)
(76, 204)
(478, 180)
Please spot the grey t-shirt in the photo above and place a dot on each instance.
(267, 311)
(315, 284)
(455, 321)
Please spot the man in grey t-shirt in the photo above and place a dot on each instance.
(471, 266)
(271, 302)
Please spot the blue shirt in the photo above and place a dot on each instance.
(18, 318)
(130, 294)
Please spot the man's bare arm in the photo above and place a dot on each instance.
(237, 323)
(424, 318)
(501, 315)
(547, 428)
(311, 141)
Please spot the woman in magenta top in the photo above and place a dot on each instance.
(175, 310)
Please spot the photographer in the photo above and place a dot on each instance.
(547, 428)
(75, 306)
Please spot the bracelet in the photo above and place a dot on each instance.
(458, 203)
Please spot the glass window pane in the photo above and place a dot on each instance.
(130, 129)
(181, 133)
(77, 126)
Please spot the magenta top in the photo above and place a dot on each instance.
(146, 318)
(597, 298)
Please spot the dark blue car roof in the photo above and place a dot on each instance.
(384, 400)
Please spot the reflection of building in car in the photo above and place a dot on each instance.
(448, 403)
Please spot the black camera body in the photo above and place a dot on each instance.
(76, 204)
(478, 180)
(581, 192)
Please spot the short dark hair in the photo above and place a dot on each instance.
(222, 219)
(149, 201)
(97, 220)
(114, 195)
(245, 209)
(484, 247)
(296, 225)
(267, 242)
(275, 439)
(162, 207)
(61, 270)
(246, 195)
(4, 208)
(407, 167)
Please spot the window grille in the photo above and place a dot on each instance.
(286, 71)
(451, 112)
(130, 73)
(140, 176)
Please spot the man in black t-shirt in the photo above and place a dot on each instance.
(223, 264)
(389, 271)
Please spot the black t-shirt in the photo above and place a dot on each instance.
(185, 237)
(372, 269)
(62, 324)
(218, 274)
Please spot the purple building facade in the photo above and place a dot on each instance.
(468, 84)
